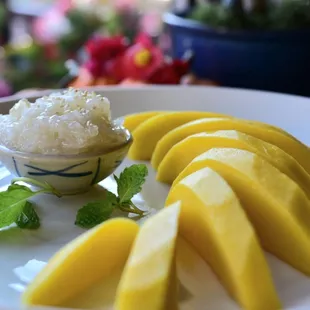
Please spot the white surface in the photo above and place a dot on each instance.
(22, 252)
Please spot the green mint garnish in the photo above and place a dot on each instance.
(14, 205)
(97, 212)
(29, 218)
(129, 183)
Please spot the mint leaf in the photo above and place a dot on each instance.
(45, 187)
(116, 179)
(97, 212)
(130, 182)
(28, 219)
(12, 203)
(18, 187)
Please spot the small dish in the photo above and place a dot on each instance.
(69, 174)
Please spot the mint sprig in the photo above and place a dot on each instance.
(129, 183)
(15, 207)
(28, 219)
(96, 212)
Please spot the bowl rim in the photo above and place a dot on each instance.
(128, 142)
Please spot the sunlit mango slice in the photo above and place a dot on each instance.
(182, 153)
(278, 209)
(146, 136)
(81, 263)
(213, 221)
(284, 141)
(149, 278)
(132, 121)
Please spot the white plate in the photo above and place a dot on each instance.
(22, 251)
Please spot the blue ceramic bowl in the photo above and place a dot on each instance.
(270, 60)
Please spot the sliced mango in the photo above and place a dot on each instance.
(288, 144)
(182, 153)
(132, 121)
(149, 278)
(277, 207)
(146, 136)
(213, 221)
(81, 263)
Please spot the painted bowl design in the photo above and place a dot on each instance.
(69, 174)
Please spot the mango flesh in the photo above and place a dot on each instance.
(182, 153)
(146, 136)
(149, 278)
(278, 209)
(213, 221)
(132, 121)
(91, 257)
(266, 133)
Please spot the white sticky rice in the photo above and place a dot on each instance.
(71, 122)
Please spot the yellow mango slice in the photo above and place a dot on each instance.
(266, 133)
(132, 121)
(277, 207)
(146, 136)
(149, 278)
(213, 221)
(81, 263)
(182, 153)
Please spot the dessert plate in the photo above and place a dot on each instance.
(23, 253)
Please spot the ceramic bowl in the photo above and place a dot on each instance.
(275, 60)
(69, 174)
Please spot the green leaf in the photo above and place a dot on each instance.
(97, 212)
(130, 182)
(18, 187)
(12, 203)
(47, 188)
(28, 219)
(116, 179)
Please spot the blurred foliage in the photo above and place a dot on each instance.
(3, 14)
(217, 15)
(40, 66)
(82, 25)
(291, 14)
(30, 67)
(287, 14)
(125, 23)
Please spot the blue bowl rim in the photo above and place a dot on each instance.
(176, 21)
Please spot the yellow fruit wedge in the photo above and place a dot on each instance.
(290, 145)
(146, 136)
(149, 279)
(182, 153)
(277, 207)
(86, 260)
(134, 120)
(213, 221)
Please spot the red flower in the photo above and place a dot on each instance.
(112, 59)
(100, 48)
(104, 55)
(170, 72)
(114, 68)
(94, 67)
(144, 39)
(142, 59)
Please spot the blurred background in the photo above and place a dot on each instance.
(257, 44)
